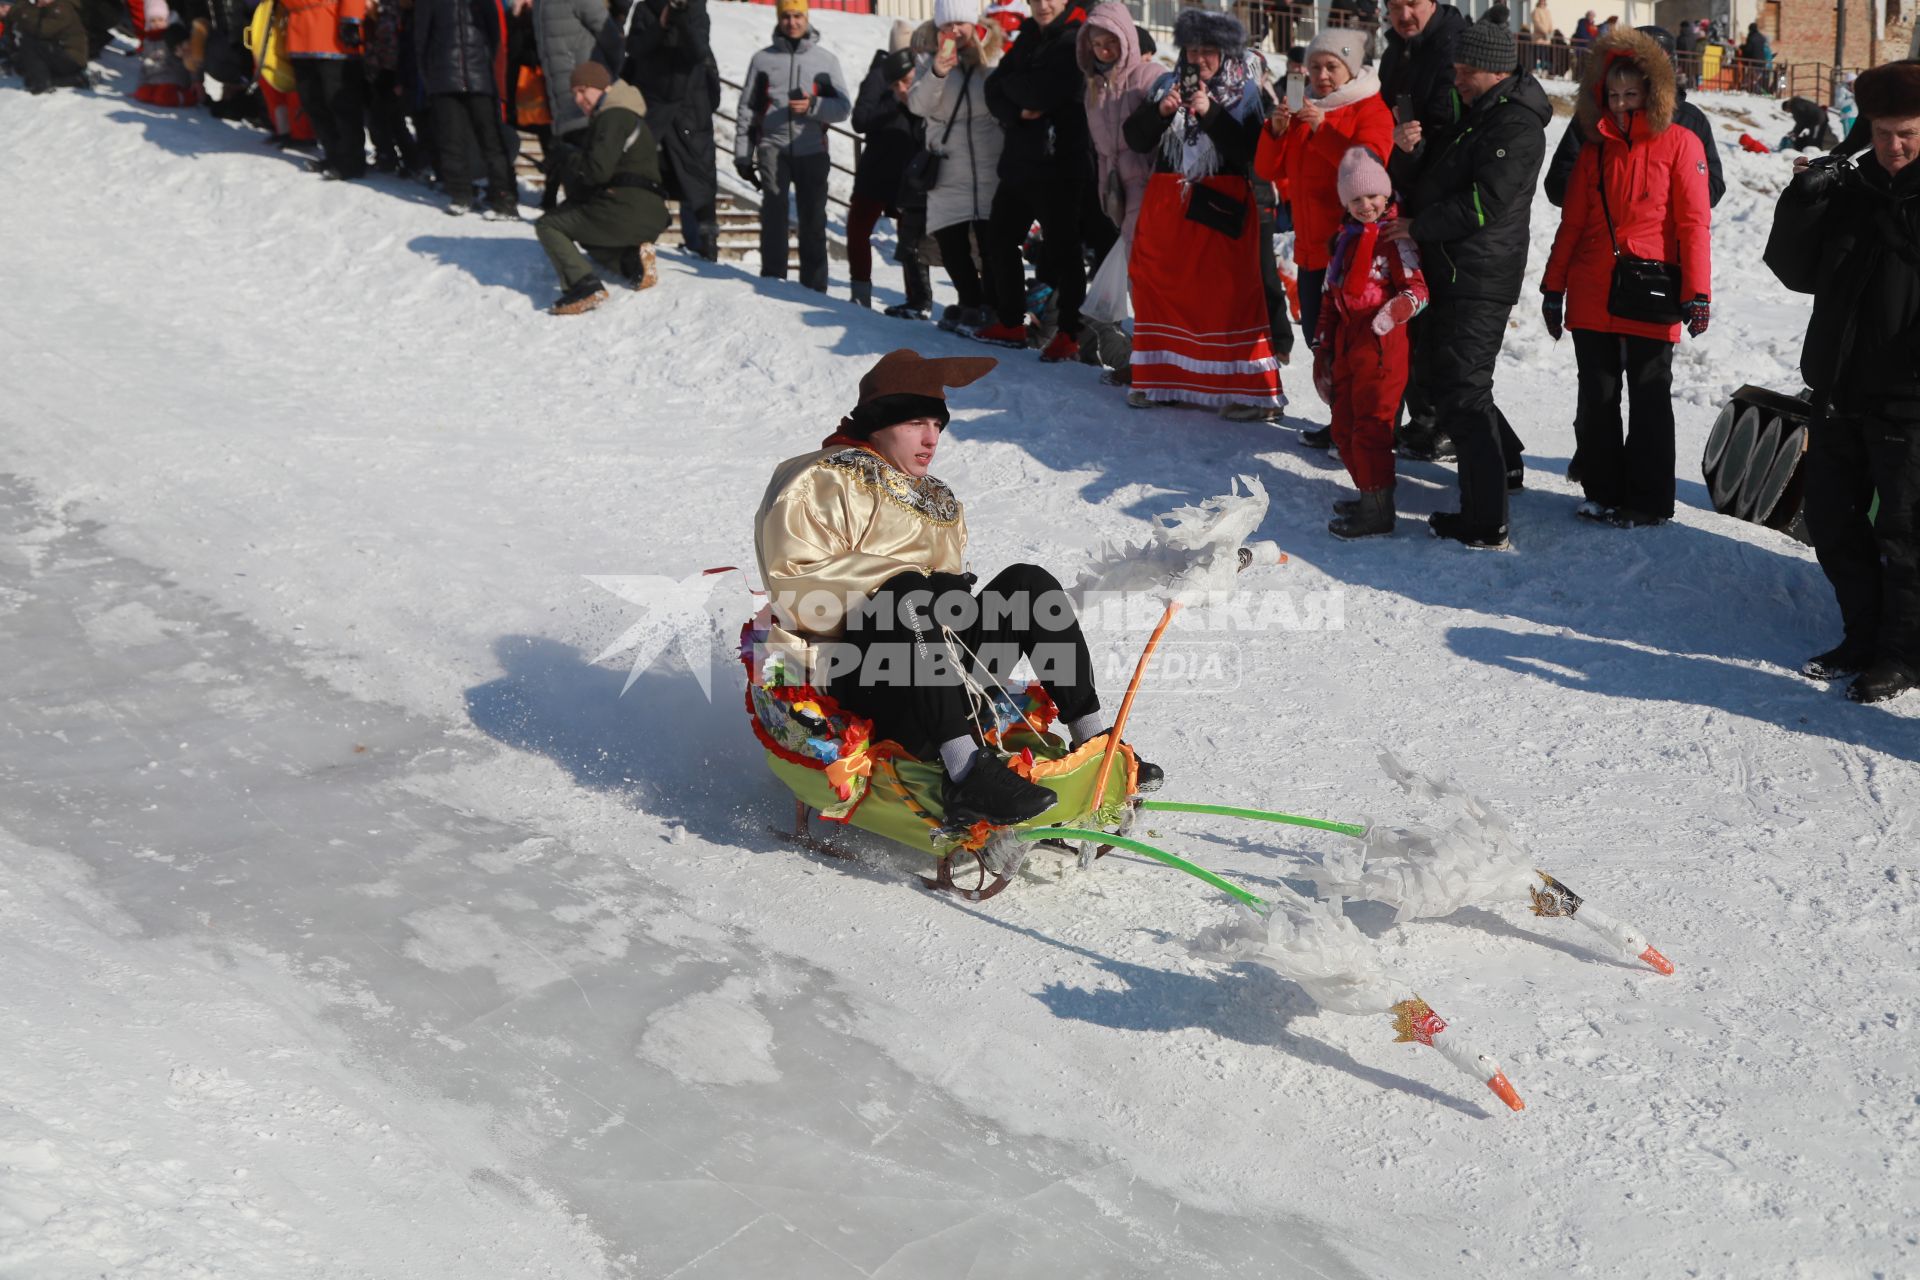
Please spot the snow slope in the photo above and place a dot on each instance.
(302, 469)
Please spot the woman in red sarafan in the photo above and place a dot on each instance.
(1639, 189)
(1200, 332)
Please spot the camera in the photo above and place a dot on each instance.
(1824, 173)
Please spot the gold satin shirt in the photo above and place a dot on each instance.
(837, 523)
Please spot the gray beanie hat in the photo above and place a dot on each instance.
(1348, 45)
(1488, 46)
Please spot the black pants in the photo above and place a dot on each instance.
(910, 229)
(906, 683)
(1874, 566)
(1312, 285)
(392, 139)
(956, 251)
(43, 65)
(1057, 207)
(466, 130)
(1279, 323)
(806, 177)
(333, 94)
(687, 169)
(1636, 472)
(1463, 338)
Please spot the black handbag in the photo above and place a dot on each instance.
(1645, 290)
(923, 171)
(1216, 210)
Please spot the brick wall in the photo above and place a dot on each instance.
(1806, 30)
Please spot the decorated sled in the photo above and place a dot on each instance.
(826, 757)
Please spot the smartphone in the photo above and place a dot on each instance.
(1296, 91)
(1189, 79)
(948, 45)
(1403, 108)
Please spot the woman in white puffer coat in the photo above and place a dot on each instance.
(949, 94)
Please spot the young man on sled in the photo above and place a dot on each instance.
(864, 555)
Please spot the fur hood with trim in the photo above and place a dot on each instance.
(1628, 45)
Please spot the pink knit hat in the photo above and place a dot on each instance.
(1362, 175)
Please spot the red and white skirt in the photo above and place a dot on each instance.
(1200, 313)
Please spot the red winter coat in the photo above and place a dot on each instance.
(1305, 166)
(1656, 178)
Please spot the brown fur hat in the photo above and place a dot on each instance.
(1889, 91)
(1626, 44)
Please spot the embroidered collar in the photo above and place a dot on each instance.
(928, 498)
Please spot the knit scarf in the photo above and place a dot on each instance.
(1354, 255)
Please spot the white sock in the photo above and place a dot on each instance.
(957, 754)
(1086, 727)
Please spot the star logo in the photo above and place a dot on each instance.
(676, 617)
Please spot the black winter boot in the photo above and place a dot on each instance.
(993, 793)
(1372, 517)
(1848, 658)
(1451, 524)
(1887, 678)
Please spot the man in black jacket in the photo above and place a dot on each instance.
(1471, 203)
(670, 60)
(1046, 173)
(1850, 235)
(893, 136)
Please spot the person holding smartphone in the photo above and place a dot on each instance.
(1339, 108)
(793, 90)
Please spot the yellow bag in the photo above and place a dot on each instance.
(266, 40)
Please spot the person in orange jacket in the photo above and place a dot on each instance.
(325, 40)
(1300, 153)
(1639, 189)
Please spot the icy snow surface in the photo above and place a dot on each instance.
(352, 925)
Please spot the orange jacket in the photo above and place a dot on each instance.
(1305, 166)
(313, 26)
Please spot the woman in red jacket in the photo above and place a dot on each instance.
(1639, 187)
(1300, 153)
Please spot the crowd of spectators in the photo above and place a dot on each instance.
(1093, 198)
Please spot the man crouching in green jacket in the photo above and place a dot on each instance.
(614, 207)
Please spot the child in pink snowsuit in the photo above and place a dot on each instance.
(1360, 353)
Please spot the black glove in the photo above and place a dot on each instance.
(1553, 310)
(1697, 313)
(743, 165)
(351, 38)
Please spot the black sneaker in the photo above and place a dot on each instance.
(1844, 659)
(1451, 524)
(1317, 438)
(907, 311)
(1887, 678)
(1516, 478)
(994, 794)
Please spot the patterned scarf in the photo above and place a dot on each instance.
(1189, 151)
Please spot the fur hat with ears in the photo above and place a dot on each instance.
(907, 385)
(1889, 91)
(1361, 174)
(1344, 43)
(1222, 31)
